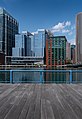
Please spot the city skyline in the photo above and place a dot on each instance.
(56, 15)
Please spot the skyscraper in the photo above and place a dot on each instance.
(79, 38)
(8, 29)
(22, 44)
(40, 43)
(23, 49)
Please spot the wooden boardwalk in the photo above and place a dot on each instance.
(40, 101)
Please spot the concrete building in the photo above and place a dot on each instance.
(79, 38)
(56, 51)
(8, 29)
(73, 56)
(68, 52)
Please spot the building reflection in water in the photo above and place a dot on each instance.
(47, 77)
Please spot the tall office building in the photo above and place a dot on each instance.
(22, 48)
(8, 29)
(79, 38)
(40, 43)
(22, 44)
(56, 51)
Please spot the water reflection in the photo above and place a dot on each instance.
(34, 77)
(4, 77)
(56, 77)
(26, 77)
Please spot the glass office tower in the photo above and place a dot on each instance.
(22, 45)
(8, 29)
(39, 42)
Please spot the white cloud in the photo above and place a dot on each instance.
(65, 28)
(65, 31)
(68, 23)
(55, 30)
(61, 27)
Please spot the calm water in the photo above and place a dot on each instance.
(47, 77)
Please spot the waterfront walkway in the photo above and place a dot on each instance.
(40, 101)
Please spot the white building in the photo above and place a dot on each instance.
(79, 38)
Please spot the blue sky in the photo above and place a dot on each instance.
(56, 15)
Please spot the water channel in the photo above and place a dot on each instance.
(47, 77)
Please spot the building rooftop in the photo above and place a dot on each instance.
(59, 37)
(4, 11)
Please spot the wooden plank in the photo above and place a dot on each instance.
(66, 104)
(6, 106)
(43, 104)
(16, 109)
(37, 112)
(76, 108)
(4, 109)
(25, 109)
(58, 109)
(30, 114)
(41, 101)
(46, 107)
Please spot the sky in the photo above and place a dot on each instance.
(56, 15)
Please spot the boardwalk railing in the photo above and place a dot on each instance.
(43, 76)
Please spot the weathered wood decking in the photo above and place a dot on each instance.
(39, 101)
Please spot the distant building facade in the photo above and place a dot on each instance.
(22, 53)
(8, 29)
(56, 51)
(73, 54)
(68, 52)
(40, 43)
(22, 44)
(79, 38)
(2, 58)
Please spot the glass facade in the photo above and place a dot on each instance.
(8, 29)
(22, 45)
(39, 43)
(32, 45)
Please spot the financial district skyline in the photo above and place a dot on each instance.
(10, 29)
